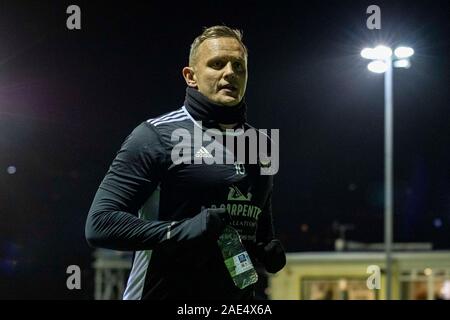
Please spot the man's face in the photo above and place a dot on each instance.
(220, 71)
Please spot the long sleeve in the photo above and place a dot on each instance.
(133, 176)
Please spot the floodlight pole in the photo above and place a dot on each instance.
(388, 172)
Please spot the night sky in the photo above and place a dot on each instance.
(68, 99)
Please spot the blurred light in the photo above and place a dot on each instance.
(437, 223)
(368, 53)
(445, 291)
(377, 53)
(342, 284)
(382, 52)
(304, 227)
(339, 244)
(428, 272)
(403, 52)
(404, 63)
(8, 266)
(377, 66)
(352, 187)
(11, 170)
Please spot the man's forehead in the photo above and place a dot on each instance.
(221, 46)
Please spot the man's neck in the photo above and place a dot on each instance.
(201, 108)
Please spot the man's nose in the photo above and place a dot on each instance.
(229, 71)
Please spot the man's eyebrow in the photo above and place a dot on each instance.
(225, 56)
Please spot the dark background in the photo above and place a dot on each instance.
(69, 98)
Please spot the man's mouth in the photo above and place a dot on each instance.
(229, 88)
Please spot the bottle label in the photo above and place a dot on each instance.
(239, 263)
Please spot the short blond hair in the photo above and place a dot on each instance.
(212, 33)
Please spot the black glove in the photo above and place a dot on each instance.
(271, 255)
(189, 237)
(206, 225)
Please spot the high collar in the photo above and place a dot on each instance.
(210, 113)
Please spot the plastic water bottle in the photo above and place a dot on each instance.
(236, 258)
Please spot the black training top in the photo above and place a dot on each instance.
(146, 204)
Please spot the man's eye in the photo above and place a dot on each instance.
(238, 66)
(217, 64)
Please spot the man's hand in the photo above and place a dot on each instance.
(201, 230)
(271, 255)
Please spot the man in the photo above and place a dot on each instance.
(183, 208)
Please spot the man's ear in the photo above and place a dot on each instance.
(190, 77)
